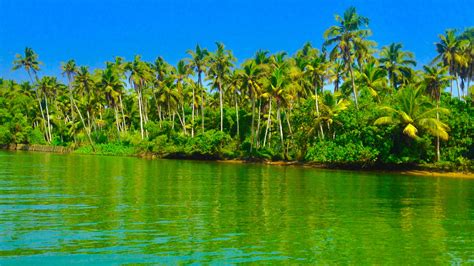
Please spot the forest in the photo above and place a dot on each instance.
(346, 103)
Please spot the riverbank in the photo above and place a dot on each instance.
(405, 169)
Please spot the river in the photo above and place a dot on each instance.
(63, 209)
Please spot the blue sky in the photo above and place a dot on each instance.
(94, 31)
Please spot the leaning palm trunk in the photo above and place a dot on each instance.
(124, 126)
(257, 133)
(354, 90)
(317, 109)
(237, 115)
(48, 119)
(268, 122)
(221, 106)
(40, 106)
(438, 152)
(281, 126)
(192, 115)
(253, 122)
(202, 101)
(140, 111)
(87, 128)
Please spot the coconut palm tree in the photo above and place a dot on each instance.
(69, 69)
(249, 76)
(140, 75)
(31, 64)
(220, 64)
(47, 87)
(332, 104)
(198, 62)
(413, 113)
(450, 54)
(397, 63)
(111, 85)
(435, 79)
(372, 79)
(346, 37)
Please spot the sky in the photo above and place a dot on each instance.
(95, 31)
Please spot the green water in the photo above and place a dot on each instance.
(61, 209)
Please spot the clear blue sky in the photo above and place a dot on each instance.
(94, 31)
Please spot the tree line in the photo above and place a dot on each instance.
(348, 102)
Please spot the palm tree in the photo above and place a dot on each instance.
(345, 38)
(397, 63)
(30, 63)
(466, 72)
(182, 73)
(450, 54)
(373, 79)
(249, 77)
(47, 87)
(332, 104)
(82, 85)
(220, 64)
(198, 62)
(413, 112)
(140, 75)
(111, 85)
(69, 69)
(435, 79)
(316, 71)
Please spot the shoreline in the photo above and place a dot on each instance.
(412, 170)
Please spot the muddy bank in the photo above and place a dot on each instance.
(36, 147)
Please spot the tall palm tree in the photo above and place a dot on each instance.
(140, 75)
(182, 74)
(31, 64)
(47, 87)
(436, 79)
(345, 38)
(82, 85)
(220, 64)
(316, 72)
(250, 76)
(450, 54)
(69, 69)
(198, 62)
(397, 63)
(111, 85)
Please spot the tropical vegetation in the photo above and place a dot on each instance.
(348, 103)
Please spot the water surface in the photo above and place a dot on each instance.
(62, 209)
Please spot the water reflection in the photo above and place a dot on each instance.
(65, 208)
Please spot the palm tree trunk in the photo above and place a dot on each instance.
(184, 119)
(40, 105)
(221, 106)
(354, 90)
(457, 86)
(88, 129)
(317, 109)
(140, 111)
(268, 123)
(237, 114)
(257, 133)
(281, 126)
(124, 126)
(438, 152)
(202, 101)
(252, 125)
(192, 115)
(48, 119)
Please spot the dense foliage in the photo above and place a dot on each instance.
(348, 103)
